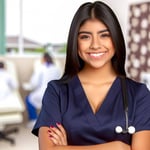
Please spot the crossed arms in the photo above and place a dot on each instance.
(54, 138)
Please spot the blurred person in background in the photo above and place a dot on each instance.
(7, 82)
(47, 71)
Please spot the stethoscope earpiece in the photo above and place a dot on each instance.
(129, 130)
(118, 129)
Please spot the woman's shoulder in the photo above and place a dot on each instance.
(63, 84)
(57, 85)
(133, 82)
(137, 86)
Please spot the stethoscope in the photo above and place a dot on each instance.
(128, 129)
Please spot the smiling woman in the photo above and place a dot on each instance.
(82, 109)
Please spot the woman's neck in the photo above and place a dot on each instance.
(97, 75)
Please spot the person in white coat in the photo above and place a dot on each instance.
(46, 72)
(7, 83)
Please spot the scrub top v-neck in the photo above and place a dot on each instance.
(68, 105)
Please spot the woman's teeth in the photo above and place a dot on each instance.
(96, 54)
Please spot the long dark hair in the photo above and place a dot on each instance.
(104, 13)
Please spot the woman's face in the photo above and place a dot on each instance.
(95, 46)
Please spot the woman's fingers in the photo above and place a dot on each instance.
(58, 134)
(54, 140)
(55, 135)
(61, 128)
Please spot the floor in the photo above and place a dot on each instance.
(24, 140)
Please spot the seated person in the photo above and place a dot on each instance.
(46, 71)
(7, 82)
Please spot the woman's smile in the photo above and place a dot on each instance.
(97, 54)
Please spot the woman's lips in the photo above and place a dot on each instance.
(97, 54)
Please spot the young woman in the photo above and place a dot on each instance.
(82, 110)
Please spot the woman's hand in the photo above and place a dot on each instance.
(58, 134)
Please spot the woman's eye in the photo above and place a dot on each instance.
(105, 35)
(84, 37)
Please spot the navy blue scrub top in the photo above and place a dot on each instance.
(67, 104)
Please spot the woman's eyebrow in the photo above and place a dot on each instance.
(86, 32)
(105, 30)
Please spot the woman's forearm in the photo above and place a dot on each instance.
(107, 146)
(46, 143)
(117, 145)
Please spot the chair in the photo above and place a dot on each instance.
(11, 109)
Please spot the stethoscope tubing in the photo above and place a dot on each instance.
(128, 129)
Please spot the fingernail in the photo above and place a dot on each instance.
(51, 126)
(49, 131)
(58, 123)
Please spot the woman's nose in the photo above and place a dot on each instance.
(95, 44)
